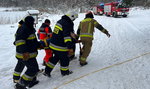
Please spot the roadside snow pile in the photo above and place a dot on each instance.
(11, 17)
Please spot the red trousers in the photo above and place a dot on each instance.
(48, 55)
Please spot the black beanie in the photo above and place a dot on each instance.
(47, 21)
(29, 20)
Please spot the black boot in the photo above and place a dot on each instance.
(64, 73)
(15, 81)
(47, 71)
(33, 82)
(83, 63)
(19, 86)
(47, 74)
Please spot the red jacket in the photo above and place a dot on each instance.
(44, 32)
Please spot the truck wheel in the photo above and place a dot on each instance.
(124, 16)
(100, 14)
(107, 15)
(115, 15)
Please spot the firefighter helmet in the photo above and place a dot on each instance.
(72, 15)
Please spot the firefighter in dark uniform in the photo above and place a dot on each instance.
(61, 44)
(85, 32)
(26, 51)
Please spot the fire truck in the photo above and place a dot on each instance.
(116, 9)
(99, 9)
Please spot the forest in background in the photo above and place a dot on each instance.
(58, 6)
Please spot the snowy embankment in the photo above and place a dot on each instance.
(119, 62)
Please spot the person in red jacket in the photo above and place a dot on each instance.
(45, 33)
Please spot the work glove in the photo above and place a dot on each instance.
(108, 35)
(73, 35)
(78, 41)
(26, 56)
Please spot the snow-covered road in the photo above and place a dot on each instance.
(130, 39)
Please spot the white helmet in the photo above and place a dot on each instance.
(72, 15)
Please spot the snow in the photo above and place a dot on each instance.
(33, 11)
(119, 62)
(11, 17)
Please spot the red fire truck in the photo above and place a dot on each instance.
(116, 9)
(99, 9)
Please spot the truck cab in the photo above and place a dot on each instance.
(116, 9)
(99, 9)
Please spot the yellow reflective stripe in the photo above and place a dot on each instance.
(21, 43)
(95, 23)
(19, 56)
(58, 49)
(66, 40)
(50, 65)
(85, 20)
(15, 74)
(32, 55)
(67, 14)
(26, 78)
(46, 47)
(83, 59)
(58, 27)
(86, 36)
(31, 37)
(89, 28)
(64, 69)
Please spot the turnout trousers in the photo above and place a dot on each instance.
(64, 62)
(86, 49)
(30, 73)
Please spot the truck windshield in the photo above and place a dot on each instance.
(122, 5)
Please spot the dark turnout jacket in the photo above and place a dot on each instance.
(26, 41)
(61, 38)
